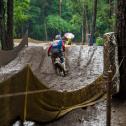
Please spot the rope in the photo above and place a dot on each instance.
(25, 93)
(58, 113)
(30, 92)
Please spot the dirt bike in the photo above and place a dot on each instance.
(58, 66)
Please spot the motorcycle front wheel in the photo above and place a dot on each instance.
(59, 70)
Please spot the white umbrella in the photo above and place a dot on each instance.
(69, 35)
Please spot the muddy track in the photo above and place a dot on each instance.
(81, 61)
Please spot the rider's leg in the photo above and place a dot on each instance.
(53, 59)
(64, 66)
(63, 61)
(60, 55)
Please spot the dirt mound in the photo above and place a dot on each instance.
(17, 40)
(85, 64)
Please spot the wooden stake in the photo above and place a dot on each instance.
(109, 96)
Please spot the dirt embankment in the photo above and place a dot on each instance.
(84, 63)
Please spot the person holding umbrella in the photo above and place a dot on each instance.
(68, 37)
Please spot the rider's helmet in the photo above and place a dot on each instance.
(58, 37)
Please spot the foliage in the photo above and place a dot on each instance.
(99, 41)
(56, 23)
(35, 14)
(105, 23)
(21, 15)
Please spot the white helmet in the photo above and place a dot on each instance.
(57, 37)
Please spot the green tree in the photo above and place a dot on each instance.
(77, 14)
(21, 16)
(57, 24)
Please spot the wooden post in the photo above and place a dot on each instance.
(109, 96)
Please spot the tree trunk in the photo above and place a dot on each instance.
(60, 14)
(94, 20)
(87, 27)
(84, 24)
(2, 26)
(9, 36)
(60, 7)
(46, 33)
(82, 33)
(110, 10)
(121, 30)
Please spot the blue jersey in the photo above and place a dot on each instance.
(57, 44)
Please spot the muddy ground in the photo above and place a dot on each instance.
(85, 64)
(91, 116)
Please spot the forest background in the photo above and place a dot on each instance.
(46, 18)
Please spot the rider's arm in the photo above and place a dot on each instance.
(49, 49)
(63, 46)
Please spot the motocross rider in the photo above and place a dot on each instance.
(57, 47)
